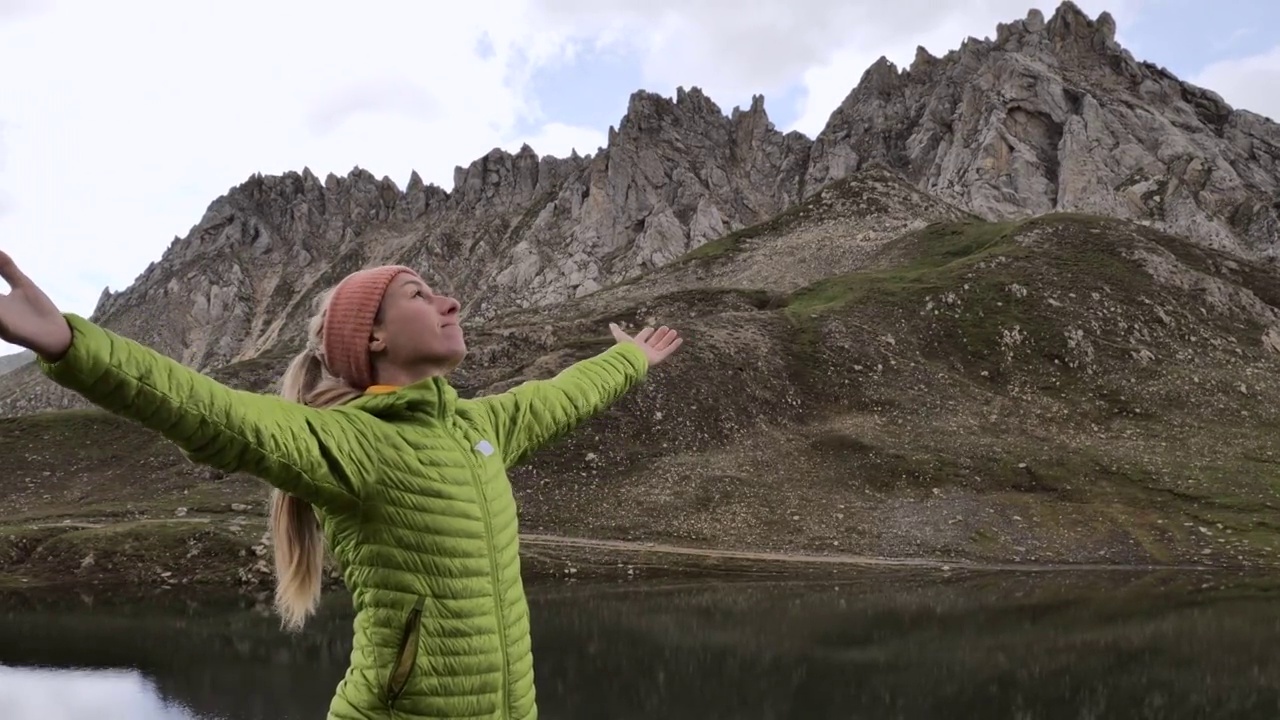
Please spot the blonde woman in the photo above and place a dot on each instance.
(371, 452)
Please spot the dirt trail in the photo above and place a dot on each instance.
(537, 540)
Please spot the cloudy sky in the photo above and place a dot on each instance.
(121, 121)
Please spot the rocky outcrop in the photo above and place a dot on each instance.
(675, 175)
(1049, 116)
(1055, 116)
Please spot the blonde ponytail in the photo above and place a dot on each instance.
(296, 535)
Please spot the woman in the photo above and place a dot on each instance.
(408, 479)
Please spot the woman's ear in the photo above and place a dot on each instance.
(377, 334)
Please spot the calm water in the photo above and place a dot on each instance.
(1077, 646)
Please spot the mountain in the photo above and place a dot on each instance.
(1055, 116)
(15, 360)
(874, 373)
(1019, 302)
(1049, 116)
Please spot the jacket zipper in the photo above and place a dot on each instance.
(493, 570)
(406, 655)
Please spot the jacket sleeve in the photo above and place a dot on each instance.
(537, 412)
(289, 445)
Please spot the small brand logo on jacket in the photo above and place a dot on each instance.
(484, 448)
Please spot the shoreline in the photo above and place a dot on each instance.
(147, 558)
(764, 559)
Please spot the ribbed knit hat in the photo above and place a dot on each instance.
(349, 321)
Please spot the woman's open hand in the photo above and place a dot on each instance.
(28, 317)
(657, 344)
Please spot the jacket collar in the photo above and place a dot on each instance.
(432, 397)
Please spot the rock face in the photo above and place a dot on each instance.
(1055, 116)
(675, 175)
(517, 230)
(1051, 115)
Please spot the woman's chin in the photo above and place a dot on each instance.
(457, 351)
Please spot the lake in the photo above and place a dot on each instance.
(1104, 644)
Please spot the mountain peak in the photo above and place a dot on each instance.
(1070, 32)
(1056, 116)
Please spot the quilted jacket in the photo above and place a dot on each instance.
(416, 505)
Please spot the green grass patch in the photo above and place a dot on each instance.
(735, 242)
(938, 254)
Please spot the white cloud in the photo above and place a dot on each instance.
(375, 96)
(6, 203)
(1249, 83)
(18, 9)
(123, 121)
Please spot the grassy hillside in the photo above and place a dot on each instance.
(1064, 389)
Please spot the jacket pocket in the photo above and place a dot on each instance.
(406, 657)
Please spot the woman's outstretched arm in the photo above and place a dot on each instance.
(289, 445)
(537, 412)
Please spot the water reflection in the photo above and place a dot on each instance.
(71, 694)
(890, 646)
(225, 662)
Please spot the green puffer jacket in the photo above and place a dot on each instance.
(417, 507)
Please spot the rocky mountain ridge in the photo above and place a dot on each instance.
(1056, 116)
(1061, 389)
(1050, 115)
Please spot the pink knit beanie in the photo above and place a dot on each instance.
(349, 321)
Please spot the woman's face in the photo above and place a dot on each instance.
(417, 332)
